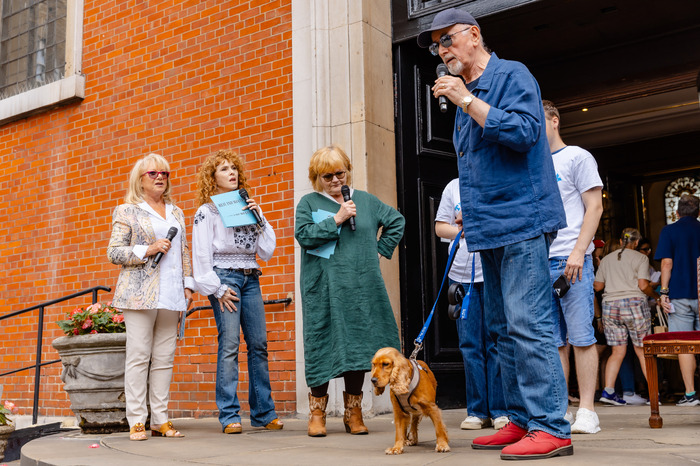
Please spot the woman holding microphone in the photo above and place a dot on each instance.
(155, 282)
(226, 270)
(347, 313)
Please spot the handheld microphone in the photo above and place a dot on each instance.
(244, 196)
(171, 234)
(441, 71)
(345, 190)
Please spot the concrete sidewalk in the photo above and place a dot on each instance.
(625, 439)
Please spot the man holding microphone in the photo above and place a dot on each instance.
(511, 211)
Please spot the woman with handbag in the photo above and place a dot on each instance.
(624, 275)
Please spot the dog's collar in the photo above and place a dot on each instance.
(403, 399)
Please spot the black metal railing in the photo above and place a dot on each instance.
(285, 301)
(40, 339)
(38, 364)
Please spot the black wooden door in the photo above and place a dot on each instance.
(426, 163)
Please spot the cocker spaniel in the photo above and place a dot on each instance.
(411, 401)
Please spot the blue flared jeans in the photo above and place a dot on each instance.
(518, 300)
(250, 316)
(481, 369)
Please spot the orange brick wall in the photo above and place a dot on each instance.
(181, 78)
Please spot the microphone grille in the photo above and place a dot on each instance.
(441, 69)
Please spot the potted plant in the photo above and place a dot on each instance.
(6, 425)
(93, 353)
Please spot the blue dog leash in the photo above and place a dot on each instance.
(418, 342)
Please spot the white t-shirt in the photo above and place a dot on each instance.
(577, 172)
(450, 205)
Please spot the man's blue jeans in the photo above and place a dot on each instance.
(251, 317)
(518, 301)
(481, 369)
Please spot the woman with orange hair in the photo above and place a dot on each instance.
(227, 272)
(346, 308)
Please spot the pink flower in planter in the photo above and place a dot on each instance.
(93, 318)
(11, 407)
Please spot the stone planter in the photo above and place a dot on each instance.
(5, 432)
(93, 374)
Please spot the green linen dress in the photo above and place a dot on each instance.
(346, 309)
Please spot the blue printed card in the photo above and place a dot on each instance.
(230, 207)
(327, 249)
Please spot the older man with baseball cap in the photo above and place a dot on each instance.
(511, 212)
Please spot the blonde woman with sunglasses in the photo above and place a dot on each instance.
(154, 288)
(346, 309)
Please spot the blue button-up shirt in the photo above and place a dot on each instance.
(506, 176)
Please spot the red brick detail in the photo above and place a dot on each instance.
(183, 79)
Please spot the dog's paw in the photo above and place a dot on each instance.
(411, 440)
(394, 450)
(442, 448)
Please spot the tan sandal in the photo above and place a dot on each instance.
(166, 430)
(275, 424)
(138, 432)
(233, 428)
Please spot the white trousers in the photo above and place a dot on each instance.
(151, 336)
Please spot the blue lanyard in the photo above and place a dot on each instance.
(465, 301)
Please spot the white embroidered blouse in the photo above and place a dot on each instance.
(214, 245)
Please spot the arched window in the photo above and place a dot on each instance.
(674, 190)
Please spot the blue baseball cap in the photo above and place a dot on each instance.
(444, 19)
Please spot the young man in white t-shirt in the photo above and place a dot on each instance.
(486, 404)
(580, 187)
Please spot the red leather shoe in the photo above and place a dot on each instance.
(538, 445)
(504, 437)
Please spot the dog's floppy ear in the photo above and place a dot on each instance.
(400, 377)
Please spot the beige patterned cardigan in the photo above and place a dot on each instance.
(138, 283)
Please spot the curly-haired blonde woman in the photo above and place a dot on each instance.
(226, 270)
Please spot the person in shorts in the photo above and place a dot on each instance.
(570, 257)
(624, 275)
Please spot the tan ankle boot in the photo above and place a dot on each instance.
(353, 414)
(317, 416)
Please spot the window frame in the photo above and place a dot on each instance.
(70, 88)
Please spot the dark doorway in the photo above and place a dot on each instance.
(427, 162)
(633, 67)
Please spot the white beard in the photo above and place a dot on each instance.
(455, 67)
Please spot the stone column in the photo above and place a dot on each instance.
(343, 93)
